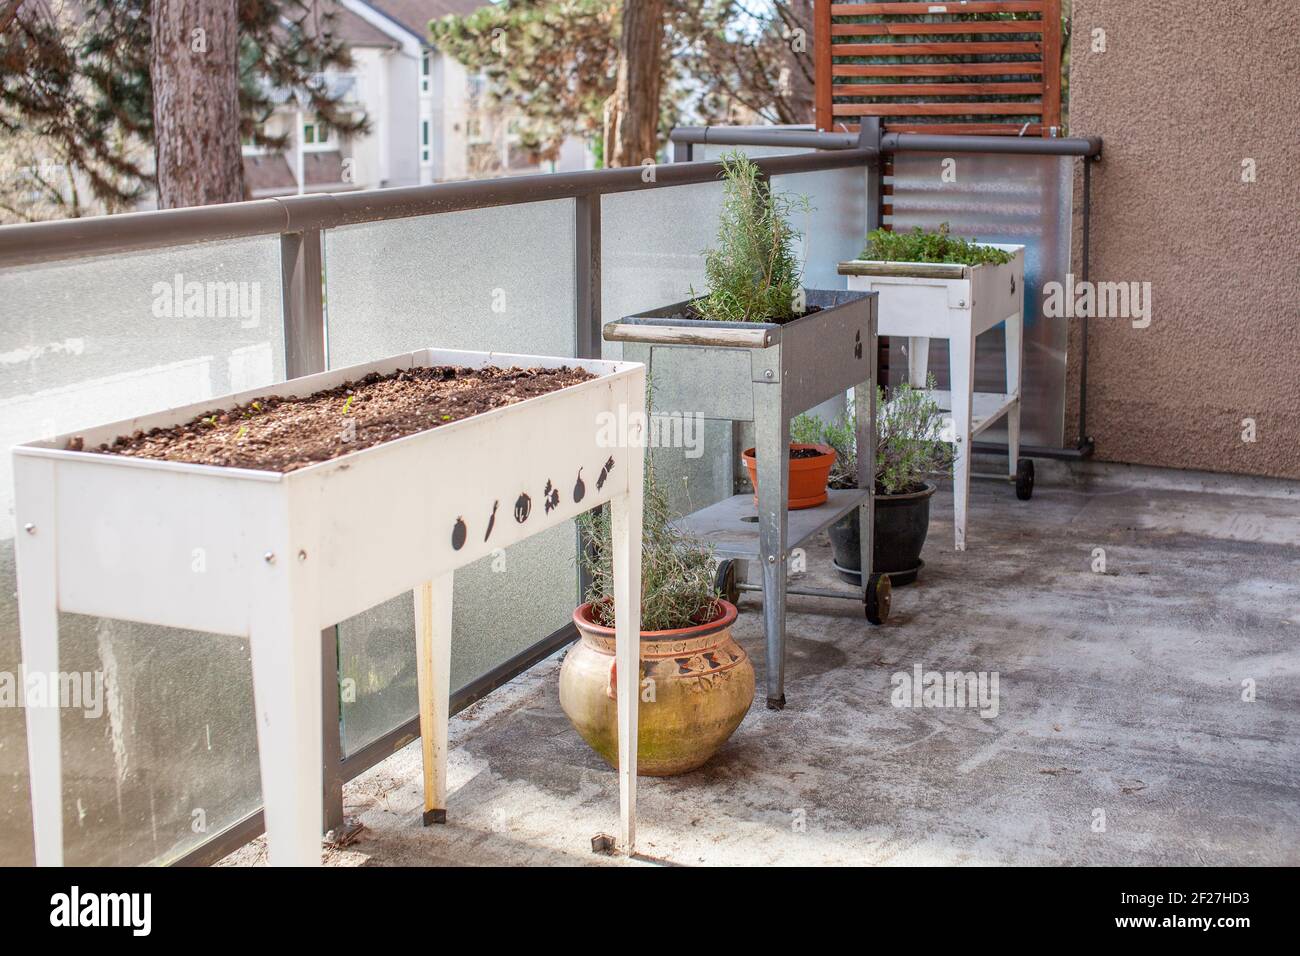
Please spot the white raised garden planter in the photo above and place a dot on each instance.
(935, 300)
(286, 555)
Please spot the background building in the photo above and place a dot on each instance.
(430, 120)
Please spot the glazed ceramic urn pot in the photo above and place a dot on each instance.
(696, 686)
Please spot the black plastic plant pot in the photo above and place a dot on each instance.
(902, 522)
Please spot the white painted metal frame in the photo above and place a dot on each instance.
(278, 557)
(958, 309)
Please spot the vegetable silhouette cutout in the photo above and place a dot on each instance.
(492, 520)
(458, 534)
(523, 506)
(604, 473)
(857, 345)
(550, 496)
(579, 488)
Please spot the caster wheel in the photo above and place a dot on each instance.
(725, 581)
(1024, 479)
(880, 595)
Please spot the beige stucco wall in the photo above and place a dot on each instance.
(1185, 91)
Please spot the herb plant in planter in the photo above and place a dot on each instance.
(935, 285)
(697, 682)
(757, 347)
(754, 276)
(908, 451)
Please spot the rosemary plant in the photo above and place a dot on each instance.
(753, 272)
(676, 570)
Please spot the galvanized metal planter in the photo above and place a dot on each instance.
(285, 555)
(767, 373)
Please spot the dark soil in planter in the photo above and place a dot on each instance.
(691, 313)
(285, 434)
(805, 453)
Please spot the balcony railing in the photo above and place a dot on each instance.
(110, 317)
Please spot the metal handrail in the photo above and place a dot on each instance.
(762, 136)
(29, 243)
(1089, 146)
(871, 139)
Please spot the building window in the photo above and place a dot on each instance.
(426, 154)
(317, 135)
(426, 79)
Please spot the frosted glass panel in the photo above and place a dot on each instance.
(503, 605)
(999, 198)
(168, 755)
(499, 279)
(652, 247)
(835, 225)
(107, 338)
(652, 254)
(496, 279)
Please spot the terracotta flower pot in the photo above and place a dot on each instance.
(696, 686)
(808, 476)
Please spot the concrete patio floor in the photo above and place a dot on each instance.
(1121, 737)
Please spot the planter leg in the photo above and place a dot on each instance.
(864, 416)
(1014, 337)
(38, 620)
(285, 639)
(772, 439)
(962, 375)
(433, 602)
(625, 514)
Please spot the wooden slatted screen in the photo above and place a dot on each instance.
(948, 67)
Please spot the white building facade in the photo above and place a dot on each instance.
(430, 121)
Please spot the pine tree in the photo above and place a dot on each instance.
(76, 94)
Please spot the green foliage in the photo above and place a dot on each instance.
(556, 62)
(907, 444)
(76, 78)
(676, 570)
(919, 246)
(753, 273)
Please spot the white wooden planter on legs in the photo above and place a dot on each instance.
(923, 301)
(278, 557)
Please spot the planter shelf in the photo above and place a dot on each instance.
(287, 555)
(767, 373)
(925, 300)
